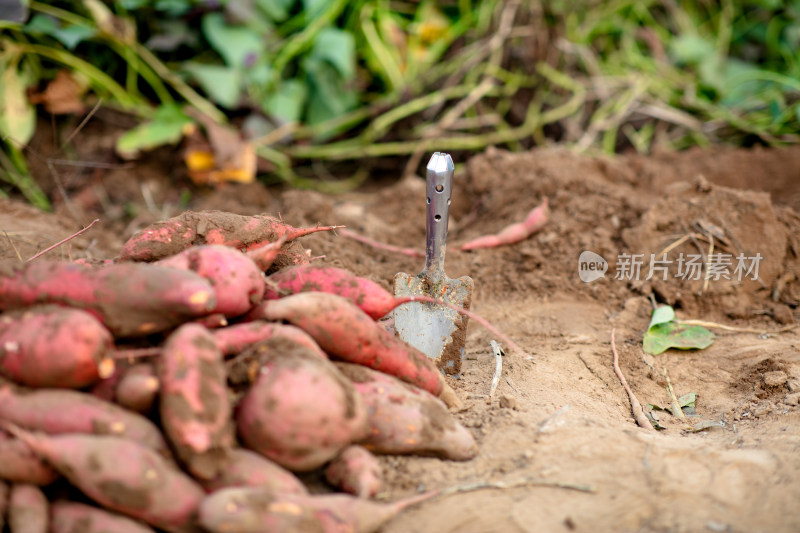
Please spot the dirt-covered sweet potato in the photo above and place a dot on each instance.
(129, 299)
(18, 464)
(369, 296)
(194, 405)
(57, 411)
(52, 346)
(122, 475)
(235, 339)
(355, 471)
(238, 283)
(348, 333)
(191, 228)
(28, 509)
(137, 388)
(74, 517)
(301, 411)
(407, 420)
(258, 510)
(249, 469)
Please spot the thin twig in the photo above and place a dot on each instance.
(498, 367)
(707, 324)
(636, 407)
(525, 482)
(411, 252)
(83, 123)
(14, 246)
(708, 262)
(56, 245)
(676, 406)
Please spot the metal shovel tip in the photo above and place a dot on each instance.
(437, 331)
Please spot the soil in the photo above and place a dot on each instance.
(559, 449)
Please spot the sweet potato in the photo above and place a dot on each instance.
(129, 299)
(237, 281)
(27, 509)
(345, 331)
(193, 403)
(191, 228)
(4, 489)
(301, 411)
(249, 469)
(366, 294)
(74, 517)
(19, 465)
(355, 471)
(57, 411)
(407, 420)
(51, 346)
(264, 256)
(138, 388)
(257, 510)
(235, 339)
(533, 222)
(123, 476)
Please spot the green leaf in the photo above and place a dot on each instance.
(166, 127)
(312, 8)
(288, 102)
(69, 36)
(239, 46)
(688, 399)
(328, 97)
(662, 315)
(690, 49)
(17, 115)
(659, 339)
(664, 333)
(221, 84)
(338, 48)
(277, 10)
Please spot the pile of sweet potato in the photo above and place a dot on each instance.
(180, 387)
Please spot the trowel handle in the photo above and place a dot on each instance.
(439, 180)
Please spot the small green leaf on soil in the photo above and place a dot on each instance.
(166, 127)
(664, 333)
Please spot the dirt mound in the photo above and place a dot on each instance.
(559, 450)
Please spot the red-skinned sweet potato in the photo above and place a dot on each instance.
(346, 332)
(18, 464)
(129, 299)
(191, 228)
(237, 281)
(369, 296)
(28, 509)
(235, 339)
(4, 490)
(533, 222)
(407, 420)
(52, 346)
(249, 469)
(256, 510)
(138, 388)
(123, 476)
(57, 411)
(74, 517)
(194, 404)
(355, 471)
(301, 411)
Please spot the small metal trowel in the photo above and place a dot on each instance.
(435, 330)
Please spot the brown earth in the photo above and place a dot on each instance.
(559, 450)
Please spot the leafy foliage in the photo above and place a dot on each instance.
(367, 78)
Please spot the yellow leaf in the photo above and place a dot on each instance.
(17, 115)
